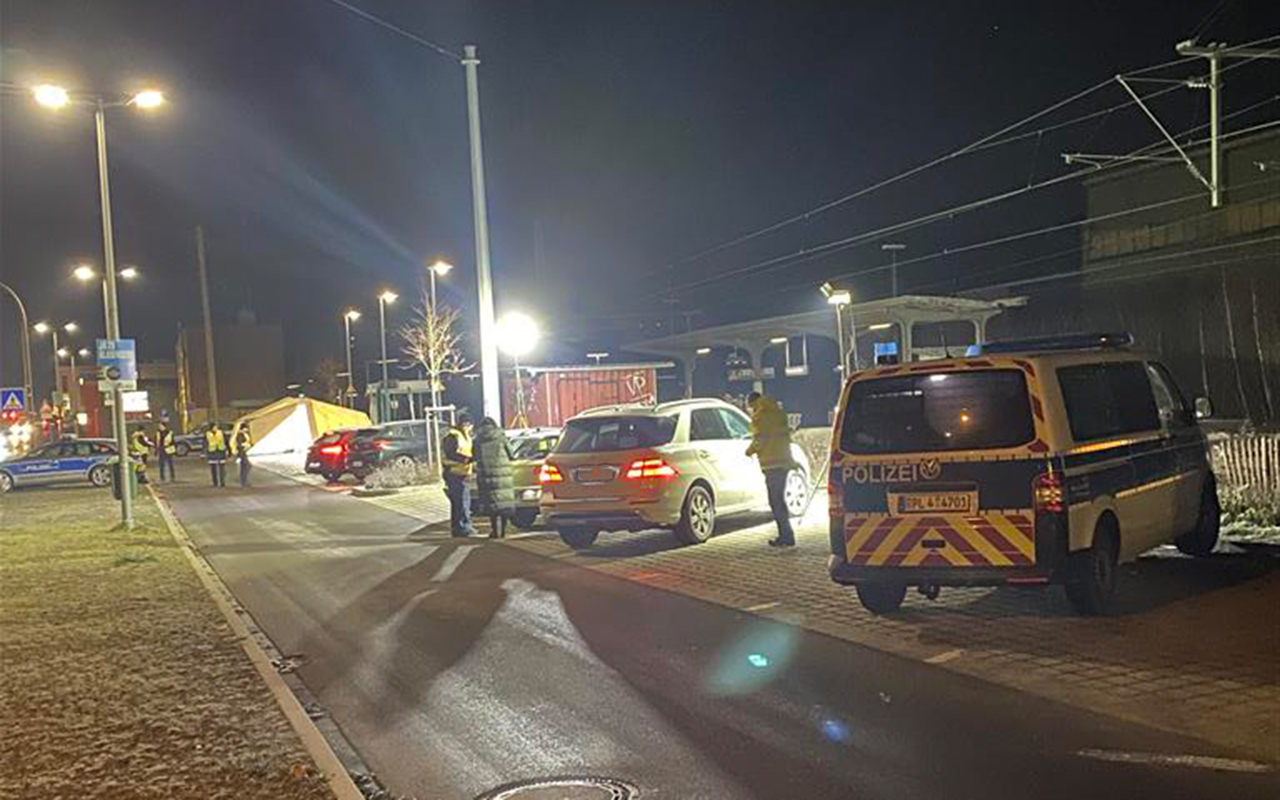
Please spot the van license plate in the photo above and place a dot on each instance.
(934, 503)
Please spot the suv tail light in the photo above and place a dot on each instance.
(650, 468)
(382, 444)
(549, 473)
(1048, 493)
(332, 449)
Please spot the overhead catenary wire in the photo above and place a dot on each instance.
(829, 248)
(986, 142)
(427, 43)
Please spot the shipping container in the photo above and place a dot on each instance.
(554, 394)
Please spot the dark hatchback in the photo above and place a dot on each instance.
(328, 455)
(401, 443)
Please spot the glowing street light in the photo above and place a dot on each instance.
(51, 96)
(51, 330)
(62, 352)
(129, 273)
(349, 316)
(838, 299)
(85, 273)
(148, 98)
(518, 335)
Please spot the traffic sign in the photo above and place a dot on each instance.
(117, 364)
(13, 399)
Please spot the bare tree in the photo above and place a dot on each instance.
(329, 379)
(433, 341)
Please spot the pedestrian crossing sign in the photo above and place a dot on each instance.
(13, 399)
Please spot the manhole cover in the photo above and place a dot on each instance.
(571, 788)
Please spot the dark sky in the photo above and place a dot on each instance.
(327, 158)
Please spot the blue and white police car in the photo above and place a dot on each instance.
(67, 461)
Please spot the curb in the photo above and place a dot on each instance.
(335, 774)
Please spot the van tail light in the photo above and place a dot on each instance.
(332, 449)
(835, 499)
(650, 468)
(1048, 493)
(550, 473)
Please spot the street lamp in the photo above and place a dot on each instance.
(57, 97)
(384, 300)
(439, 269)
(894, 248)
(518, 335)
(838, 299)
(348, 317)
(26, 342)
(87, 274)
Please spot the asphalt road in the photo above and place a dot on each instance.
(454, 666)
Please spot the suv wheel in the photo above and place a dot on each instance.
(796, 493)
(403, 461)
(1203, 538)
(100, 475)
(881, 598)
(6, 482)
(698, 518)
(1091, 585)
(332, 477)
(182, 449)
(579, 538)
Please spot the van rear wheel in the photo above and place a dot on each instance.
(1091, 587)
(881, 598)
(1203, 538)
(579, 538)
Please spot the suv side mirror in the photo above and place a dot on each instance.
(1204, 408)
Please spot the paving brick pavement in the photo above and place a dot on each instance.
(1194, 646)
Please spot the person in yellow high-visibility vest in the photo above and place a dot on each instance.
(457, 467)
(215, 452)
(166, 448)
(139, 449)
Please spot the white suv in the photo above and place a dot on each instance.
(677, 465)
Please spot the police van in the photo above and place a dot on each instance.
(1034, 461)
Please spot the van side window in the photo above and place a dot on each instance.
(1108, 399)
(1172, 406)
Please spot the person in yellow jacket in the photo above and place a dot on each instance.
(458, 464)
(241, 441)
(771, 445)
(139, 449)
(215, 452)
(166, 448)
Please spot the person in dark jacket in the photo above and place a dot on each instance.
(495, 486)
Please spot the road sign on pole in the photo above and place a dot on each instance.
(117, 365)
(13, 399)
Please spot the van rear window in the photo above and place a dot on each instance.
(605, 434)
(970, 410)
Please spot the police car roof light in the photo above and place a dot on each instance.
(1070, 341)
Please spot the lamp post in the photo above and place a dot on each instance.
(25, 342)
(439, 269)
(894, 248)
(86, 274)
(384, 409)
(348, 317)
(517, 335)
(44, 328)
(56, 97)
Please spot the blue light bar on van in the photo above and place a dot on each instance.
(1070, 341)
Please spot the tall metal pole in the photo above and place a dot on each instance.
(382, 387)
(1215, 131)
(844, 356)
(435, 375)
(26, 344)
(57, 378)
(893, 248)
(489, 387)
(210, 362)
(351, 387)
(113, 319)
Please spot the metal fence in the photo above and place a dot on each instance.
(1248, 461)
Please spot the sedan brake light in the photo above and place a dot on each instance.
(650, 468)
(332, 449)
(549, 473)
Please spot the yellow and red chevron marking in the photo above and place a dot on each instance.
(989, 539)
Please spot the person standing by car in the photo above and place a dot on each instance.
(139, 448)
(458, 463)
(166, 448)
(771, 445)
(240, 445)
(495, 483)
(215, 452)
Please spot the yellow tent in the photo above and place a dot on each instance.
(291, 424)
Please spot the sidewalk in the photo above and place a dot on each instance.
(120, 678)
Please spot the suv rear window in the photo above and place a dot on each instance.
(605, 434)
(1108, 399)
(941, 411)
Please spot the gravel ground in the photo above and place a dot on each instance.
(118, 676)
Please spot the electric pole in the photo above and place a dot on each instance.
(491, 399)
(212, 370)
